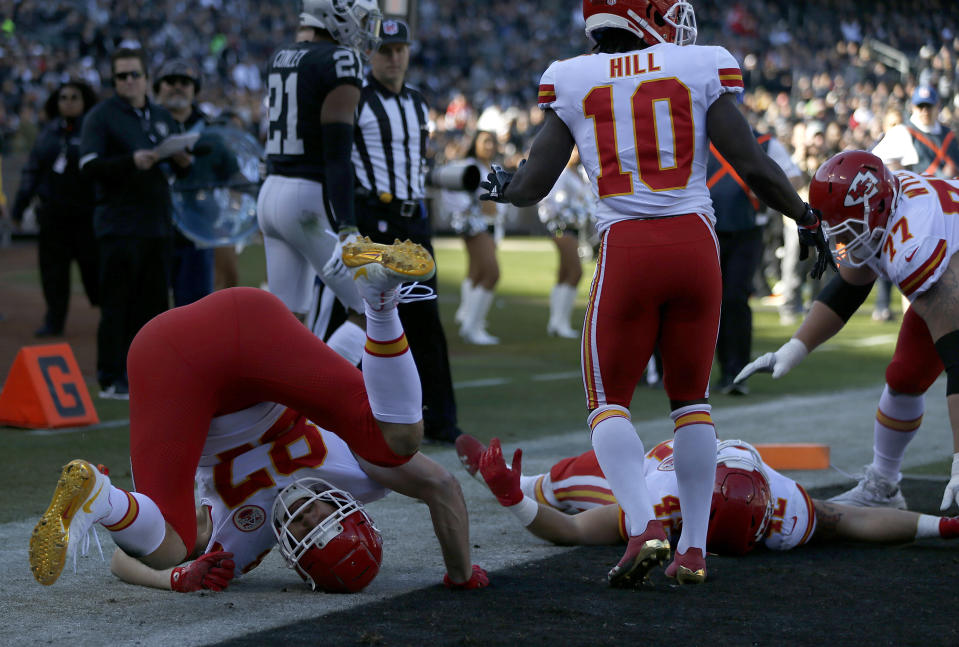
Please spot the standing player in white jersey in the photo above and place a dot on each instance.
(642, 110)
(903, 227)
(305, 206)
(751, 503)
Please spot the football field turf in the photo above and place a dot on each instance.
(527, 391)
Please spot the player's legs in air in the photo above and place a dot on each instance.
(224, 353)
(628, 313)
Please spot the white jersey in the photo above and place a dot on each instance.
(793, 519)
(577, 483)
(922, 235)
(249, 457)
(639, 120)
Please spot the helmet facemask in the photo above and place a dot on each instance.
(853, 243)
(351, 23)
(349, 527)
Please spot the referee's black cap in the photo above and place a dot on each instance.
(394, 31)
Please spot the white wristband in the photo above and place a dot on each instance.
(955, 464)
(526, 510)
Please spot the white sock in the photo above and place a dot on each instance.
(347, 341)
(897, 421)
(135, 522)
(694, 456)
(621, 454)
(389, 372)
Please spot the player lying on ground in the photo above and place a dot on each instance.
(192, 367)
(752, 503)
(900, 226)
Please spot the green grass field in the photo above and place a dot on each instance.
(528, 386)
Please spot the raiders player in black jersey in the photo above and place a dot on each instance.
(305, 207)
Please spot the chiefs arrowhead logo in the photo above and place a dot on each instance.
(863, 187)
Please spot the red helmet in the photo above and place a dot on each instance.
(856, 194)
(342, 554)
(742, 505)
(655, 21)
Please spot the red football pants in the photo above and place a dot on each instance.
(916, 364)
(657, 280)
(223, 353)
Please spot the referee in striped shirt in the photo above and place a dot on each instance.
(389, 158)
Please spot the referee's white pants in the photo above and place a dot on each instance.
(299, 240)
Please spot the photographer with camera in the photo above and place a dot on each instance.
(389, 157)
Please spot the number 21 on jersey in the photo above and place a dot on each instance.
(662, 119)
(283, 139)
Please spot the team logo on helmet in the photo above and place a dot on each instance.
(249, 518)
(862, 188)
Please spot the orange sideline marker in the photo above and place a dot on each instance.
(45, 389)
(795, 456)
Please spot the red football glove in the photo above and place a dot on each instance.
(211, 571)
(503, 482)
(478, 580)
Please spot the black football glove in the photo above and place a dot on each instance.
(813, 236)
(496, 183)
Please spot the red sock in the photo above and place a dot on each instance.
(949, 527)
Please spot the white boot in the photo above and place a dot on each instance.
(473, 330)
(466, 292)
(561, 301)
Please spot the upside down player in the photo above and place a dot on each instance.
(752, 503)
(642, 110)
(904, 227)
(224, 354)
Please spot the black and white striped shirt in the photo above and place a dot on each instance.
(389, 151)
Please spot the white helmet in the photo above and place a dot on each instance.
(353, 23)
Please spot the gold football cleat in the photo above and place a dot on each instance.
(653, 553)
(405, 260)
(79, 500)
(688, 576)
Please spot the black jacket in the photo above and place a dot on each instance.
(52, 175)
(129, 202)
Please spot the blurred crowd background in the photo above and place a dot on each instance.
(821, 75)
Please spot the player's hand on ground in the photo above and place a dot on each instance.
(212, 571)
(813, 236)
(778, 363)
(503, 482)
(478, 580)
(951, 495)
(496, 183)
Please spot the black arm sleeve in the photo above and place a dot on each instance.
(111, 168)
(338, 171)
(842, 297)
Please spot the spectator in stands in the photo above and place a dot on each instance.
(64, 204)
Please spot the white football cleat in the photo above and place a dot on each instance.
(873, 491)
(80, 500)
(380, 269)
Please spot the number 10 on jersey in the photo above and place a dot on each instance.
(662, 118)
